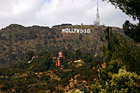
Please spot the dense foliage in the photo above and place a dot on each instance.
(42, 75)
(118, 71)
(131, 8)
(122, 54)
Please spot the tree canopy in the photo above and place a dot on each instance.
(131, 8)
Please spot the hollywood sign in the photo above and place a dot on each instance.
(69, 30)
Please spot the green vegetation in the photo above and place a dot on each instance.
(41, 75)
(117, 70)
(131, 8)
(122, 54)
(17, 40)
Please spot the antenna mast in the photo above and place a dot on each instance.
(97, 16)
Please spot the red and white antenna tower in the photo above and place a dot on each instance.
(97, 16)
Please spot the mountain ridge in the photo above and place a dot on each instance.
(16, 40)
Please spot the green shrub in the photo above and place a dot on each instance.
(123, 82)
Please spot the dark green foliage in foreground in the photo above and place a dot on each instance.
(122, 49)
(122, 73)
(132, 30)
(131, 8)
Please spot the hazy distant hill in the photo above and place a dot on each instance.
(16, 40)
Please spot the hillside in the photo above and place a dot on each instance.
(16, 40)
(77, 69)
(43, 76)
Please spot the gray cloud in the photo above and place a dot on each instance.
(53, 12)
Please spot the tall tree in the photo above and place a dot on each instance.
(131, 8)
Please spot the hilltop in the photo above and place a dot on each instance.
(16, 40)
(41, 67)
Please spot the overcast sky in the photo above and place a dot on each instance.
(53, 12)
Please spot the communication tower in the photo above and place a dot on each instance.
(97, 22)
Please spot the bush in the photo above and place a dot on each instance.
(122, 82)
